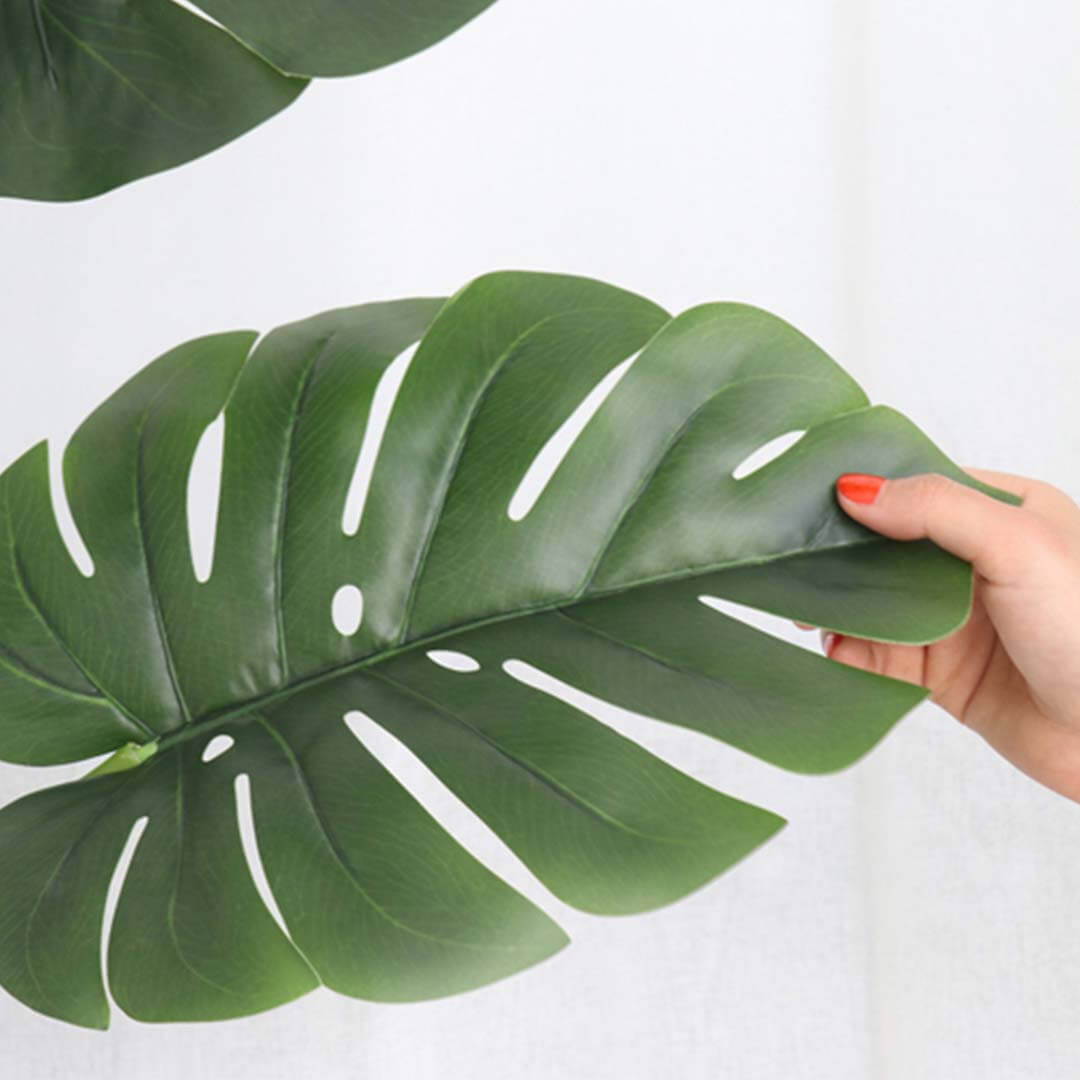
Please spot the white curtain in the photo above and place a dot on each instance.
(901, 182)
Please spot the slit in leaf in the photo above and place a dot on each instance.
(382, 402)
(463, 824)
(69, 531)
(245, 821)
(453, 661)
(112, 896)
(203, 498)
(776, 626)
(552, 454)
(766, 453)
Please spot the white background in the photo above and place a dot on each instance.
(900, 181)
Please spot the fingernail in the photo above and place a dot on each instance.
(828, 643)
(859, 487)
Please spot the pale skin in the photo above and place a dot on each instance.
(1012, 672)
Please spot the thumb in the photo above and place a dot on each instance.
(997, 538)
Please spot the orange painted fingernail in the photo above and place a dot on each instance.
(859, 487)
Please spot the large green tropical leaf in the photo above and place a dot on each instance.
(597, 583)
(95, 93)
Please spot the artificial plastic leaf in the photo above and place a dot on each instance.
(341, 37)
(96, 93)
(600, 578)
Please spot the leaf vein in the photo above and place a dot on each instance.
(665, 453)
(284, 483)
(31, 600)
(342, 860)
(565, 793)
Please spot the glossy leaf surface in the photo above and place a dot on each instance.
(598, 583)
(96, 93)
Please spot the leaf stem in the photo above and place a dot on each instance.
(127, 757)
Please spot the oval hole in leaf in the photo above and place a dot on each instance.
(217, 746)
(248, 840)
(382, 403)
(347, 610)
(452, 661)
(203, 497)
(538, 475)
(69, 531)
(764, 454)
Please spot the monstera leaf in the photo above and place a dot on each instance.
(95, 93)
(597, 581)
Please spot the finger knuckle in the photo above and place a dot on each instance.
(931, 488)
(1045, 541)
(1054, 497)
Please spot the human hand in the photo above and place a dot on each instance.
(1012, 671)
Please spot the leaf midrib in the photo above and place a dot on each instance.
(212, 721)
(584, 592)
(200, 726)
